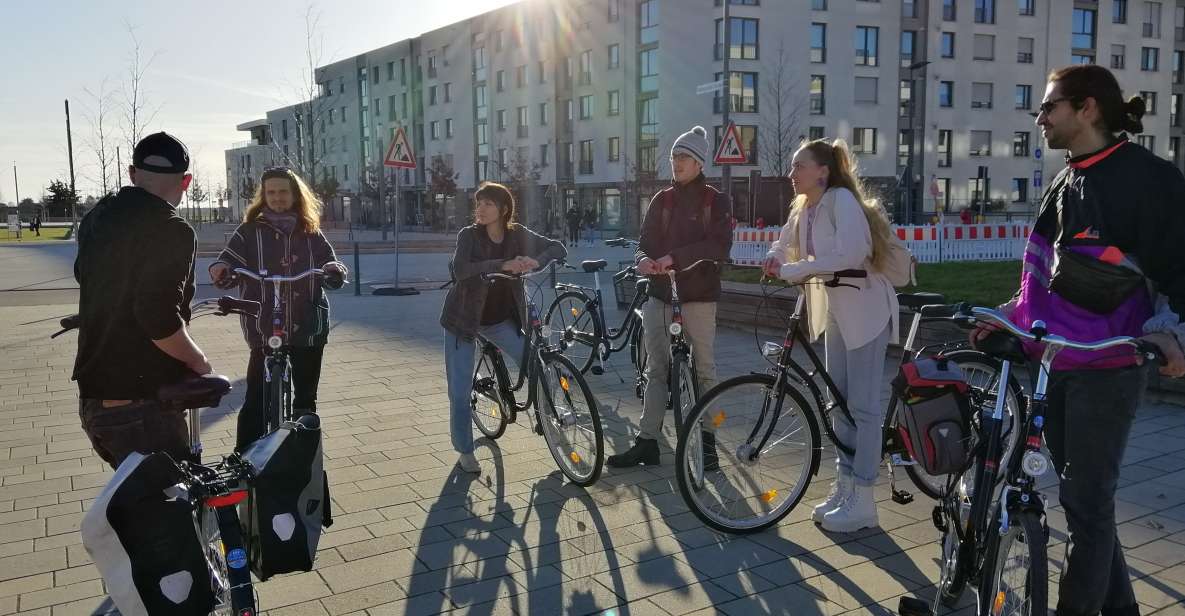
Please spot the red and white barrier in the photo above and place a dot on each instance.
(928, 243)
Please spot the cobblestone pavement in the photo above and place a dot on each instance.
(415, 536)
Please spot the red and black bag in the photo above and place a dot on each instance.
(935, 417)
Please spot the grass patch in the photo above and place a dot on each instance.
(47, 233)
(980, 283)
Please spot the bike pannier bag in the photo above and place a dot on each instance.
(288, 501)
(935, 416)
(141, 535)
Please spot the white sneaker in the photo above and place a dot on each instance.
(469, 463)
(855, 513)
(839, 492)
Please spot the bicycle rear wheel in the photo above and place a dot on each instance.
(957, 551)
(226, 560)
(575, 321)
(752, 489)
(1016, 569)
(571, 422)
(485, 401)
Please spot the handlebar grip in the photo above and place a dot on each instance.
(70, 322)
(851, 273)
(1148, 349)
(943, 311)
(228, 304)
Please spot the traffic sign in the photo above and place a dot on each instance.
(400, 154)
(731, 150)
(1037, 153)
(711, 86)
(1036, 178)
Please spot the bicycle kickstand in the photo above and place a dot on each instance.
(901, 497)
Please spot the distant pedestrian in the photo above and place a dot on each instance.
(573, 218)
(590, 224)
(37, 225)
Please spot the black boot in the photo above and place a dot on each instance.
(644, 451)
(711, 460)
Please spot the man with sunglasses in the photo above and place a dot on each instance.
(1105, 258)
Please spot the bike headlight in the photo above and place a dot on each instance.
(771, 349)
(675, 329)
(275, 342)
(1034, 464)
(547, 331)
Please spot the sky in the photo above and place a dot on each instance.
(214, 64)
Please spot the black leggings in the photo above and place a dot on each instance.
(306, 374)
(574, 234)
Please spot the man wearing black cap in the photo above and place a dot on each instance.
(135, 273)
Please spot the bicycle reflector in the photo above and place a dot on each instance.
(1034, 464)
(769, 495)
(564, 383)
(676, 328)
(717, 419)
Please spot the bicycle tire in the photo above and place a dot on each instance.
(641, 360)
(560, 317)
(683, 383)
(559, 409)
(1025, 529)
(274, 402)
(486, 406)
(731, 454)
(934, 485)
(230, 598)
(957, 554)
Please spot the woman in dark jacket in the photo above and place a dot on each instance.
(281, 234)
(495, 243)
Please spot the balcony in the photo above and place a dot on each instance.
(522, 132)
(1024, 57)
(586, 167)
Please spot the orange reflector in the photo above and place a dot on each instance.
(999, 604)
(769, 495)
(494, 411)
(575, 312)
(574, 457)
(718, 419)
(564, 383)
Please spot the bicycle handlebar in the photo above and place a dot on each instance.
(621, 242)
(1039, 334)
(696, 265)
(492, 276)
(265, 278)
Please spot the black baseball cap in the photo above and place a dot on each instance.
(161, 153)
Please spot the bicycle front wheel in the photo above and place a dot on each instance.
(1016, 569)
(207, 518)
(766, 452)
(572, 317)
(485, 401)
(571, 423)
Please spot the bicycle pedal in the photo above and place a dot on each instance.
(938, 518)
(597, 370)
(902, 497)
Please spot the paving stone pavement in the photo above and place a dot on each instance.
(415, 536)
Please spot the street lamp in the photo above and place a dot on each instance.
(911, 186)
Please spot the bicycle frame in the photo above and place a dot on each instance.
(632, 319)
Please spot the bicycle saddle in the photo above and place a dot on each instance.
(1003, 345)
(594, 266)
(196, 392)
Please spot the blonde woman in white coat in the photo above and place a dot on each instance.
(832, 227)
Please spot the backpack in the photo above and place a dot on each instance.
(935, 418)
(668, 206)
(898, 265)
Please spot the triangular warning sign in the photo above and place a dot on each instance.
(400, 154)
(731, 152)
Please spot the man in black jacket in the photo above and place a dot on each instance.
(135, 273)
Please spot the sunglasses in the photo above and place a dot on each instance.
(1048, 106)
(277, 172)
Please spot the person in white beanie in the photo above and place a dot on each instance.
(687, 222)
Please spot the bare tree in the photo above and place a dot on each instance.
(522, 175)
(313, 105)
(101, 141)
(779, 132)
(137, 112)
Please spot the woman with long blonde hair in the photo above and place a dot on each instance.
(281, 233)
(833, 227)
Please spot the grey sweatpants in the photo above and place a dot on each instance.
(699, 327)
(859, 374)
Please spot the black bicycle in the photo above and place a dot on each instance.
(564, 409)
(577, 315)
(766, 425)
(996, 537)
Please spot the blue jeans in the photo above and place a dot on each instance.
(459, 362)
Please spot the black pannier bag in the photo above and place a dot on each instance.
(935, 418)
(141, 535)
(288, 502)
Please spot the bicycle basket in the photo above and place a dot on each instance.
(288, 502)
(935, 418)
(623, 286)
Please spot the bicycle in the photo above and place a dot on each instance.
(781, 408)
(564, 410)
(981, 527)
(213, 491)
(578, 315)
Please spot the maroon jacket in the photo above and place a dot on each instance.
(687, 238)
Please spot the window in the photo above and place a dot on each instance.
(542, 78)
(742, 89)
(1026, 8)
(864, 141)
(1149, 59)
(943, 148)
(374, 74)
(586, 107)
(614, 10)
(479, 100)
(818, 42)
(444, 55)
(866, 90)
(390, 71)
(614, 56)
(543, 114)
(1024, 97)
(743, 38)
(981, 143)
(432, 67)
(377, 107)
(434, 130)
(815, 132)
(586, 67)
(1179, 67)
(903, 147)
(431, 95)
(448, 92)
(479, 64)
(503, 158)
(1147, 141)
(748, 135)
(614, 146)
(1149, 102)
(1020, 190)
(909, 8)
(948, 10)
(331, 116)
(650, 118)
(1079, 58)
(1118, 11)
(908, 47)
(946, 94)
(614, 102)
(1179, 23)
(1175, 110)
(543, 158)
(1175, 150)
(391, 114)
(1083, 33)
(345, 172)
(985, 11)
(403, 71)
(947, 44)
(648, 21)
(818, 104)
(818, 5)
(985, 47)
(1020, 143)
(867, 45)
(1024, 50)
(448, 128)
(498, 38)
(284, 129)
(500, 123)
(1118, 56)
(649, 70)
(1152, 20)
(520, 76)
(981, 95)
(500, 81)
(904, 97)
(586, 157)
(569, 110)
(523, 122)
